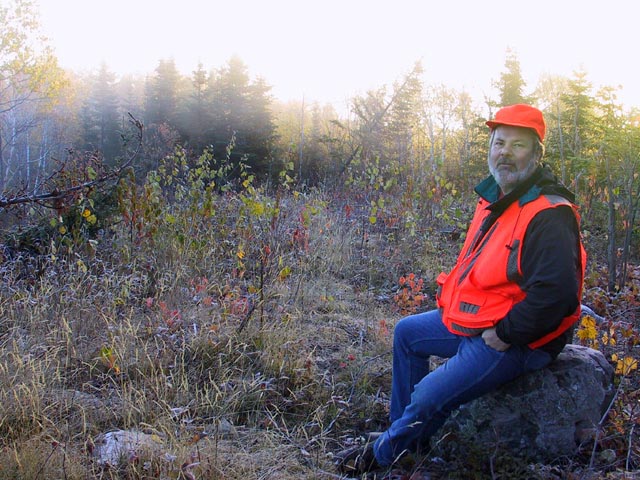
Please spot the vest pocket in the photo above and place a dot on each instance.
(472, 313)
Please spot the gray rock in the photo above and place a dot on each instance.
(117, 446)
(543, 415)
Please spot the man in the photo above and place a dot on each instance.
(506, 308)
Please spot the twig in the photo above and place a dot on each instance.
(628, 462)
(245, 320)
(53, 449)
(601, 423)
(294, 295)
(329, 427)
(493, 457)
(331, 475)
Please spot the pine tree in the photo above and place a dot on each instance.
(241, 112)
(163, 94)
(197, 116)
(101, 123)
(404, 116)
(511, 84)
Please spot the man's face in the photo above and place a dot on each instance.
(512, 156)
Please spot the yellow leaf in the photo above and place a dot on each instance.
(587, 330)
(284, 273)
(626, 366)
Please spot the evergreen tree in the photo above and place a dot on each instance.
(312, 152)
(130, 91)
(197, 116)
(319, 143)
(471, 139)
(260, 126)
(511, 84)
(242, 113)
(161, 107)
(549, 91)
(101, 120)
(404, 117)
(579, 119)
(369, 129)
(163, 94)
(230, 92)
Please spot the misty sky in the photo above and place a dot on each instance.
(331, 50)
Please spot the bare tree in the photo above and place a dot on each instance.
(29, 78)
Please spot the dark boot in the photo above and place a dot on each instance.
(357, 460)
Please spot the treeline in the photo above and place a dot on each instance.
(207, 110)
(410, 135)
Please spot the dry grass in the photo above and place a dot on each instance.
(133, 338)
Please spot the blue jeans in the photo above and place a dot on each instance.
(421, 400)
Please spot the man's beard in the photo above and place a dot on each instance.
(508, 180)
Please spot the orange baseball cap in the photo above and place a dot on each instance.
(520, 115)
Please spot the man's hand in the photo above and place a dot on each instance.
(492, 340)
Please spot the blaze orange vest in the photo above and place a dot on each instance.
(486, 281)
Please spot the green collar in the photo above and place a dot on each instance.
(489, 190)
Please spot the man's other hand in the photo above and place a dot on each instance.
(492, 340)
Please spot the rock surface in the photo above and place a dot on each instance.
(543, 415)
(117, 446)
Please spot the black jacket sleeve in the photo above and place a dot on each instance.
(550, 262)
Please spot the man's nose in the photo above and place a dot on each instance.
(505, 150)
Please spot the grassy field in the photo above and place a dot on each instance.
(246, 335)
